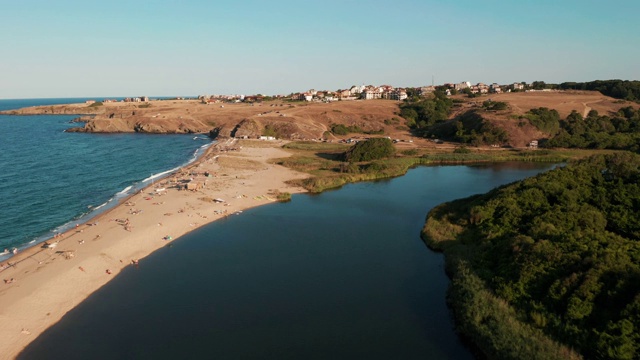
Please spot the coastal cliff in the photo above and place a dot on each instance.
(295, 121)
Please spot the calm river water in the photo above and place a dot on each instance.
(340, 275)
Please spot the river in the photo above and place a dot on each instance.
(340, 275)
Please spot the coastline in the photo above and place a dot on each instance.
(114, 200)
(48, 282)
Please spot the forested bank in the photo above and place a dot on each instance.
(548, 264)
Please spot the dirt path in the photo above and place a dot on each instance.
(586, 110)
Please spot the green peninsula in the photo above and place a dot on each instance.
(548, 267)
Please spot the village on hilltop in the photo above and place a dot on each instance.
(371, 92)
(355, 92)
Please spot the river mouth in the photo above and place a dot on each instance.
(339, 275)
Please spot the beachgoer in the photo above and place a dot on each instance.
(108, 271)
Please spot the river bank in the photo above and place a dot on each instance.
(44, 283)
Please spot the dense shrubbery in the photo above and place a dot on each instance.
(340, 129)
(428, 118)
(495, 105)
(544, 119)
(470, 128)
(424, 113)
(561, 249)
(600, 132)
(372, 149)
(619, 89)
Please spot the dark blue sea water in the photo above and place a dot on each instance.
(340, 275)
(50, 179)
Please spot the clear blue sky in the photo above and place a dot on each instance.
(69, 48)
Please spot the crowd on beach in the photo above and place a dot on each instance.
(177, 180)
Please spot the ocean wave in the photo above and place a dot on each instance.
(123, 192)
(101, 205)
(155, 176)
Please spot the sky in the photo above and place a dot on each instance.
(63, 48)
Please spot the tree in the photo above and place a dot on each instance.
(372, 149)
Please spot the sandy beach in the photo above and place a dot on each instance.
(44, 282)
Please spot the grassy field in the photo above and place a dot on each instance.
(324, 162)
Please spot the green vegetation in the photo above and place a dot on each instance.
(144, 106)
(340, 129)
(325, 162)
(372, 149)
(270, 130)
(548, 260)
(600, 132)
(469, 128)
(424, 113)
(495, 105)
(428, 118)
(281, 196)
(462, 150)
(316, 146)
(544, 119)
(410, 152)
(95, 104)
(619, 89)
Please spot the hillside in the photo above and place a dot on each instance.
(292, 120)
(520, 133)
(553, 258)
(481, 127)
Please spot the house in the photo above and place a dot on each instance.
(89, 102)
(356, 89)
(533, 144)
(267, 138)
(397, 94)
(371, 94)
(462, 85)
(344, 93)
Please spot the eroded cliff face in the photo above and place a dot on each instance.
(164, 126)
(281, 119)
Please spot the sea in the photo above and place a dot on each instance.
(51, 180)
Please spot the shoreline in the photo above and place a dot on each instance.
(48, 282)
(115, 200)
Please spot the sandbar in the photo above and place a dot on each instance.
(50, 281)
